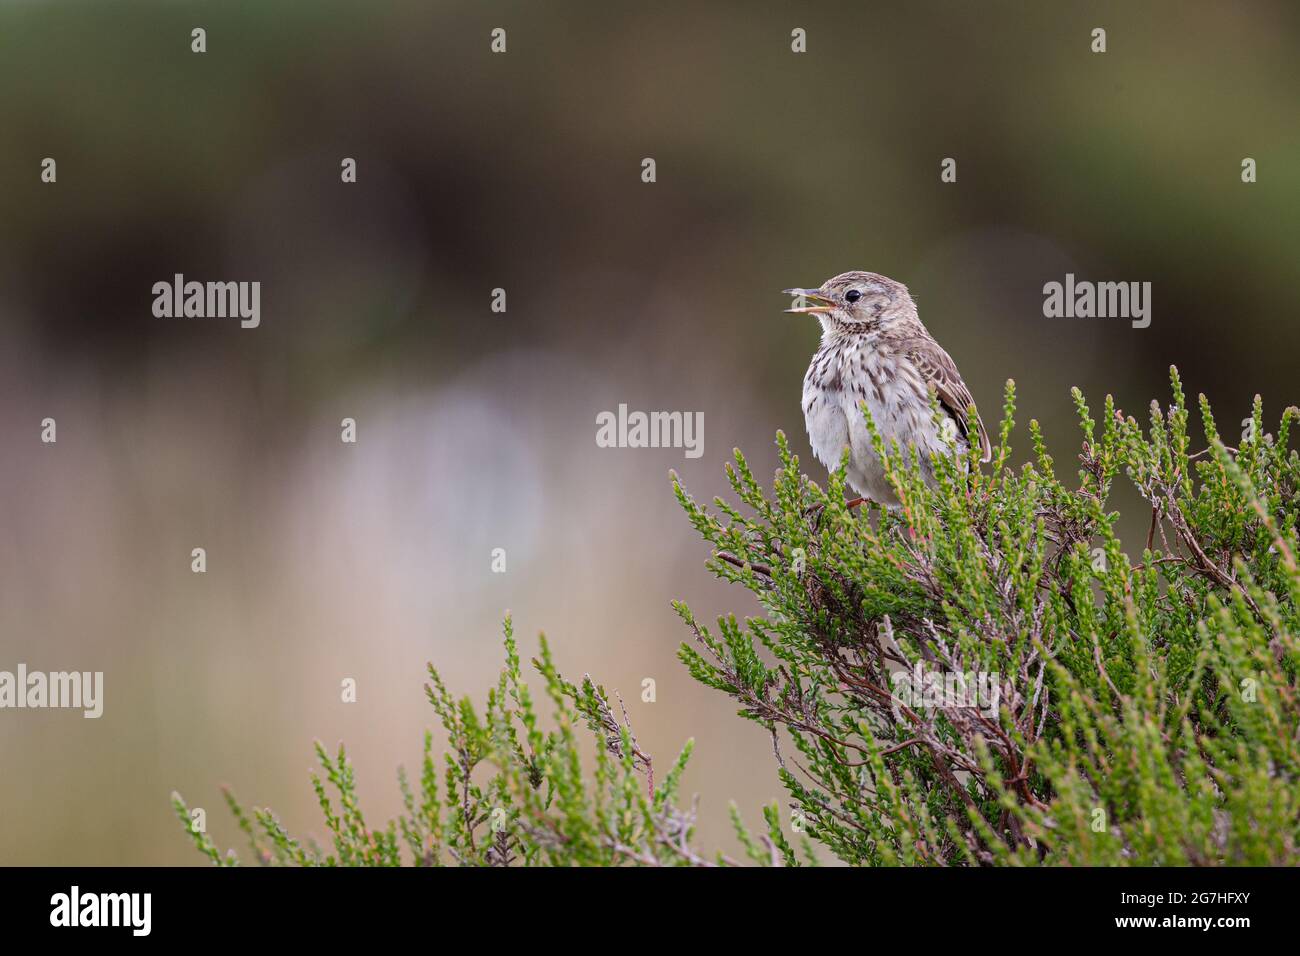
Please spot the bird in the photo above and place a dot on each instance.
(875, 351)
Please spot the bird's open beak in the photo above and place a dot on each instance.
(821, 302)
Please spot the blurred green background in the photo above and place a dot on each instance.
(476, 430)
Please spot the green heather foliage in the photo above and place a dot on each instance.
(1148, 711)
(1145, 713)
(510, 793)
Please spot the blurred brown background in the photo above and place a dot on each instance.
(476, 430)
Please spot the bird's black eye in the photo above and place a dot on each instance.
(853, 295)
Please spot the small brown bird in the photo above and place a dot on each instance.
(876, 351)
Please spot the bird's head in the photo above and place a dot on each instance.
(856, 301)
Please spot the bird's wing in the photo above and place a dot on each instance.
(939, 370)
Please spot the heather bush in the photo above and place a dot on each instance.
(982, 676)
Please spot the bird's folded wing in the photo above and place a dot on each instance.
(939, 370)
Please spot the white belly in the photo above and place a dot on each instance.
(900, 409)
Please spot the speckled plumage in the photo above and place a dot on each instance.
(875, 350)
